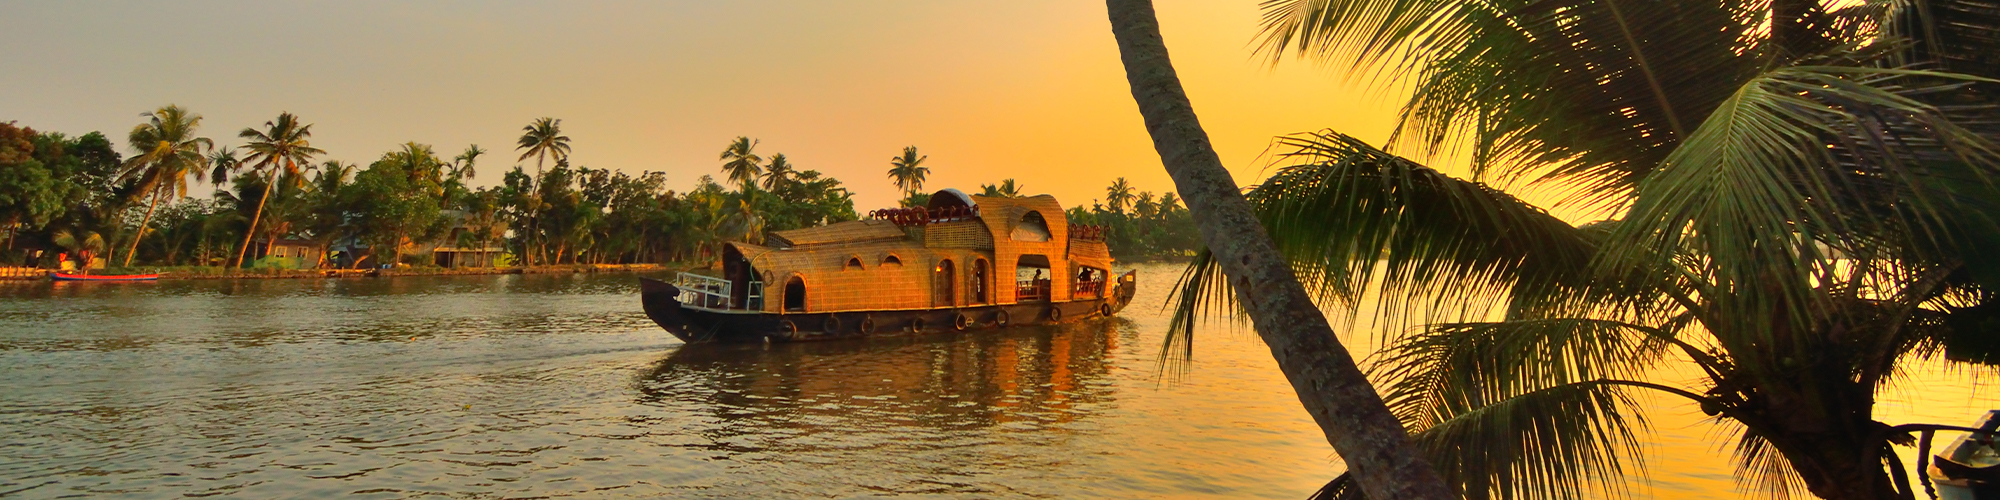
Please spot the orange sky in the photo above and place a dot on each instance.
(1026, 89)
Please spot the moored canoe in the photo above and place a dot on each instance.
(107, 277)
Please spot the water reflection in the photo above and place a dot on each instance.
(1045, 374)
(928, 415)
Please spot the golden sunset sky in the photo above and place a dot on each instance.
(1028, 89)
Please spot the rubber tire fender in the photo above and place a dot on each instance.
(1000, 318)
(1055, 314)
(1104, 310)
(788, 329)
(961, 321)
(917, 325)
(867, 324)
(831, 326)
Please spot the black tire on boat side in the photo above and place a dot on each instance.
(831, 326)
(961, 321)
(1000, 317)
(1104, 310)
(1055, 314)
(788, 329)
(867, 324)
(917, 325)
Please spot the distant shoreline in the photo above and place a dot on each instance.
(214, 274)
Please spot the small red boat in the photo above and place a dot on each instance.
(104, 277)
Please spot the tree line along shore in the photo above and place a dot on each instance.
(280, 208)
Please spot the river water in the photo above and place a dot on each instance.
(557, 386)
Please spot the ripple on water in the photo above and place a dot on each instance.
(556, 386)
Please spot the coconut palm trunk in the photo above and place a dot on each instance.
(258, 215)
(1333, 389)
(142, 228)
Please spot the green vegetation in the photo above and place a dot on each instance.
(77, 195)
(1152, 228)
(1800, 201)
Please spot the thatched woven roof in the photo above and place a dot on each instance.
(839, 232)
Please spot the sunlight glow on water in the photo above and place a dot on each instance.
(520, 386)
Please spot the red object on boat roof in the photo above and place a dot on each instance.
(105, 277)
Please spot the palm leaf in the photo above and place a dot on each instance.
(1798, 158)
(1353, 217)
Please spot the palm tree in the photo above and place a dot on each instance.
(779, 173)
(1332, 388)
(1794, 215)
(908, 170)
(1006, 189)
(1118, 196)
(280, 148)
(462, 167)
(167, 152)
(221, 163)
(541, 140)
(740, 163)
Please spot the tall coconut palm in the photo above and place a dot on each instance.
(740, 163)
(1794, 214)
(464, 166)
(779, 173)
(222, 162)
(542, 139)
(908, 170)
(280, 149)
(1331, 386)
(168, 152)
(1118, 196)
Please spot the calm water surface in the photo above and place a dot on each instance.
(557, 386)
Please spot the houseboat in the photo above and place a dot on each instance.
(960, 263)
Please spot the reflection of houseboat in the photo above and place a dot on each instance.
(963, 262)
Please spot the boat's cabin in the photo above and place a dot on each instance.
(955, 252)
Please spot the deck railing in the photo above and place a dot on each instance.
(1089, 288)
(920, 216)
(1026, 290)
(706, 292)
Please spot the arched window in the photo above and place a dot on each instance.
(795, 294)
(979, 279)
(1031, 227)
(942, 284)
(892, 261)
(853, 264)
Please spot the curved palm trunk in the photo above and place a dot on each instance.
(252, 232)
(142, 228)
(1378, 452)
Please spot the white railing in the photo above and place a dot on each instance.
(706, 292)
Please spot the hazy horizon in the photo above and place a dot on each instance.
(1028, 90)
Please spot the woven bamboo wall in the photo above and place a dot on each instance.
(819, 257)
(961, 234)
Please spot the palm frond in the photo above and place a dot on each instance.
(1795, 161)
(1760, 468)
(1354, 217)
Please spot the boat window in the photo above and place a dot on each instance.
(892, 261)
(795, 295)
(979, 279)
(1032, 278)
(1031, 227)
(1090, 282)
(853, 264)
(942, 284)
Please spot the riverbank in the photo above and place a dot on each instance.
(216, 273)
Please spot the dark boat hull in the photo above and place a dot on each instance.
(698, 325)
(111, 277)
